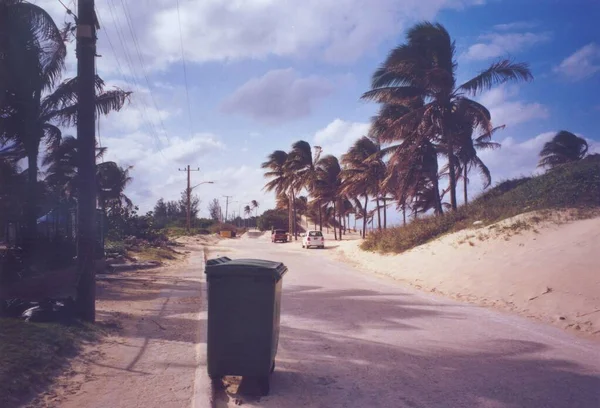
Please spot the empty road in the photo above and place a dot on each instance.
(350, 339)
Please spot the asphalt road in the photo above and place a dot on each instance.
(350, 339)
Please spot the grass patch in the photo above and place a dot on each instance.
(145, 254)
(31, 354)
(573, 186)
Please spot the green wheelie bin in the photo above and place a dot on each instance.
(244, 301)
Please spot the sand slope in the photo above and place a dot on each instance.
(550, 272)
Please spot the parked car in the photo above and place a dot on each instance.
(313, 239)
(279, 236)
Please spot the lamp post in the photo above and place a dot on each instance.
(189, 195)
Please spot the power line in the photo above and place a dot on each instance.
(142, 64)
(143, 111)
(187, 93)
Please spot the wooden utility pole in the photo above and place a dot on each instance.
(189, 197)
(86, 173)
(227, 205)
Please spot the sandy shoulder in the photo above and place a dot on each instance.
(551, 273)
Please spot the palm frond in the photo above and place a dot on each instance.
(498, 73)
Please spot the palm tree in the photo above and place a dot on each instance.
(302, 163)
(35, 61)
(61, 165)
(327, 186)
(61, 174)
(467, 158)
(112, 181)
(277, 170)
(34, 52)
(565, 147)
(363, 172)
(247, 212)
(255, 206)
(424, 70)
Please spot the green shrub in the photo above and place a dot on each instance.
(575, 185)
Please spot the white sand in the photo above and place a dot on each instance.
(551, 273)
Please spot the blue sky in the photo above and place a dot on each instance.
(265, 73)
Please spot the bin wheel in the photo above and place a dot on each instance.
(264, 386)
(272, 367)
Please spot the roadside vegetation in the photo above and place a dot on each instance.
(572, 186)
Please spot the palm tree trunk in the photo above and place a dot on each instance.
(294, 225)
(378, 214)
(384, 213)
(365, 216)
(334, 227)
(404, 214)
(320, 216)
(340, 217)
(438, 200)
(451, 167)
(290, 214)
(465, 185)
(31, 204)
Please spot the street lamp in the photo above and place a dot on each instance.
(189, 209)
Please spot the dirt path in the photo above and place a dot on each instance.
(150, 360)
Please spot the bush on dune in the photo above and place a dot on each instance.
(573, 185)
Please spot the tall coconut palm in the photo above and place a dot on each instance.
(34, 52)
(247, 212)
(277, 170)
(302, 163)
(364, 172)
(255, 206)
(327, 186)
(565, 147)
(467, 158)
(424, 68)
(112, 180)
(61, 165)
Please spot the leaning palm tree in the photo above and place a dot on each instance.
(327, 187)
(467, 157)
(424, 69)
(565, 147)
(362, 173)
(277, 170)
(247, 212)
(34, 64)
(255, 206)
(112, 180)
(302, 163)
(34, 51)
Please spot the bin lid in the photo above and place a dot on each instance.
(225, 266)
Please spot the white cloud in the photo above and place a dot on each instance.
(216, 30)
(155, 172)
(507, 111)
(516, 25)
(582, 64)
(278, 96)
(339, 31)
(337, 137)
(495, 44)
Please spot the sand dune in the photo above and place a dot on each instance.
(549, 272)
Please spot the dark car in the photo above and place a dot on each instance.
(279, 236)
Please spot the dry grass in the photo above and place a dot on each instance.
(31, 354)
(575, 187)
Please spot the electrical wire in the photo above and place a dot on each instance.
(187, 93)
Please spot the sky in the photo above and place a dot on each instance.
(262, 74)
